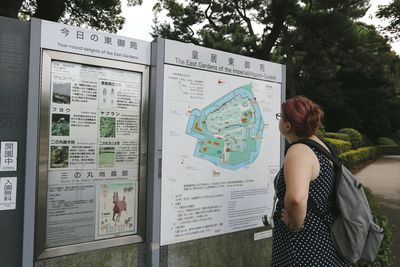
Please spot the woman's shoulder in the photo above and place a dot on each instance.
(298, 149)
(301, 154)
(298, 153)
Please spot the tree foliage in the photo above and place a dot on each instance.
(345, 66)
(391, 12)
(350, 70)
(98, 14)
(226, 25)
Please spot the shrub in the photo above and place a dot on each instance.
(338, 146)
(389, 150)
(385, 255)
(339, 136)
(385, 141)
(396, 137)
(366, 141)
(353, 158)
(321, 132)
(355, 137)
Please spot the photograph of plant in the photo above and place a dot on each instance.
(107, 127)
(60, 124)
(106, 157)
(59, 156)
(61, 93)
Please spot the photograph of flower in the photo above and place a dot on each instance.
(107, 127)
(60, 124)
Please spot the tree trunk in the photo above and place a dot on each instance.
(51, 10)
(10, 8)
(281, 11)
(290, 74)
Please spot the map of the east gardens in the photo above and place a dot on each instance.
(220, 153)
(230, 130)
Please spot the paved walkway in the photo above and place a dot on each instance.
(383, 178)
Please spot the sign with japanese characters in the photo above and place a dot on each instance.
(93, 166)
(203, 58)
(8, 156)
(72, 39)
(8, 193)
(221, 143)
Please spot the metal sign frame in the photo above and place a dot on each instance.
(48, 56)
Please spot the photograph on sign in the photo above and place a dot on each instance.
(93, 166)
(116, 210)
(220, 143)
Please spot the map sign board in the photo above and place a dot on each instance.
(221, 144)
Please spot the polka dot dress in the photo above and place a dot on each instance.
(312, 246)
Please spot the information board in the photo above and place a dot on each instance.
(67, 38)
(221, 142)
(93, 166)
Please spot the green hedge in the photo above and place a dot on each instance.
(340, 136)
(355, 137)
(338, 146)
(353, 158)
(390, 150)
(366, 141)
(321, 132)
(396, 137)
(385, 253)
(386, 141)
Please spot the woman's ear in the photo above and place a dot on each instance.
(287, 126)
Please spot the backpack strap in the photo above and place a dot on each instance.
(336, 163)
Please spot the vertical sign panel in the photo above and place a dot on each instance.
(8, 156)
(8, 193)
(93, 167)
(221, 143)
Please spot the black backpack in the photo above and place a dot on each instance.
(355, 232)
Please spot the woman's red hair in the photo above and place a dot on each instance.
(304, 115)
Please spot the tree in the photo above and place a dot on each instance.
(316, 25)
(391, 12)
(98, 14)
(348, 68)
(226, 25)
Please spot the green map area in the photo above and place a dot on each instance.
(230, 130)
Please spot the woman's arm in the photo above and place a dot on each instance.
(298, 169)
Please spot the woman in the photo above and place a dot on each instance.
(302, 238)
